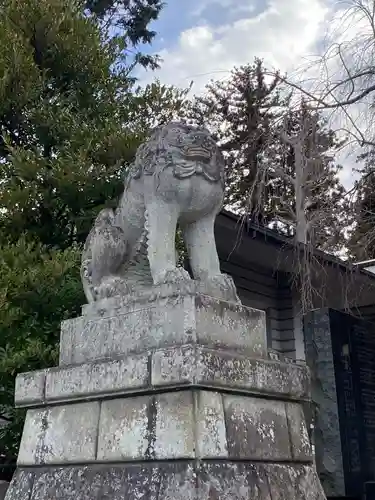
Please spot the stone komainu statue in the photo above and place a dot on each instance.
(177, 178)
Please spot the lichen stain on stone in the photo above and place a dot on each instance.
(260, 376)
(174, 425)
(267, 430)
(131, 437)
(42, 449)
(211, 435)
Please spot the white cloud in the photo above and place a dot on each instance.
(282, 34)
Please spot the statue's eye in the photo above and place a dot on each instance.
(176, 135)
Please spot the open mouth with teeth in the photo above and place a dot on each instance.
(198, 154)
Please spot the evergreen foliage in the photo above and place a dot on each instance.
(71, 118)
(248, 114)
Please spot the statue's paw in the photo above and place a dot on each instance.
(111, 287)
(174, 275)
(220, 286)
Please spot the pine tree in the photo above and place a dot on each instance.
(242, 112)
(362, 237)
(248, 114)
(305, 191)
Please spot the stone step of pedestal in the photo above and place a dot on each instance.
(174, 367)
(176, 425)
(116, 328)
(169, 481)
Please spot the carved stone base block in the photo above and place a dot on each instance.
(191, 421)
(168, 481)
(162, 316)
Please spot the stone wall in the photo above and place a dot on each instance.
(327, 438)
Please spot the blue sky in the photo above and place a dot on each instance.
(180, 15)
(203, 39)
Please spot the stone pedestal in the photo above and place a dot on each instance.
(328, 445)
(165, 395)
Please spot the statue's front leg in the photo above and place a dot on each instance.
(204, 261)
(161, 223)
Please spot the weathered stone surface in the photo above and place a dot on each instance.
(198, 365)
(21, 485)
(69, 331)
(149, 482)
(222, 481)
(174, 481)
(174, 426)
(123, 429)
(191, 318)
(147, 427)
(138, 298)
(131, 482)
(97, 378)
(176, 365)
(294, 482)
(258, 375)
(230, 326)
(116, 334)
(177, 177)
(210, 422)
(30, 387)
(183, 424)
(61, 434)
(67, 483)
(301, 446)
(177, 483)
(327, 439)
(256, 428)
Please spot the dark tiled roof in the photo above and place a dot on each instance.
(273, 238)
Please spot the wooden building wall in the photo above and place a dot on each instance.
(269, 291)
(365, 312)
(260, 262)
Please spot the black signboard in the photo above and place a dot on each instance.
(370, 490)
(353, 344)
